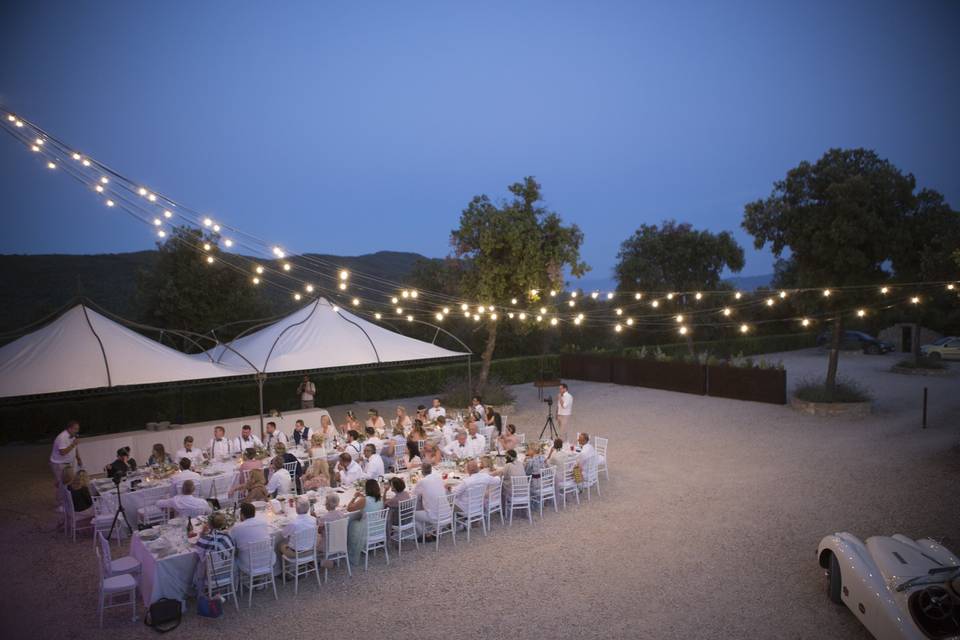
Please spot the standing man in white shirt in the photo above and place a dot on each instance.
(65, 451)
(307, 391)
(564, 410)
(274, 437)
(436, 411)
(246, 440)
(219, 446)
(429, 491)
(195, 456)
(373, 467)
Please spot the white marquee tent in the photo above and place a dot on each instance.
(83, 349)
(319, 336)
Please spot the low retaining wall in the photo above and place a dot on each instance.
(830, 409)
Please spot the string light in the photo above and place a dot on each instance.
(655, 304)
(210, 261)
(698, 296)
(476, 317)
(286, 266)
(399, 311)
(259, 269)
(167, 214)
(207, 222)
(162, 233)
(394, 299)
(609, 295)
(861, 313)
(439, 317)
(510, 315)
(744, 328)
(405, 294)
(513, 301)
(19, 123)
(228, 242)
(539, 318)
(336, 309)
(377, 316)
(826, 293)
(543, 311)
(34, 148)
(11, 118)
(414, 294)
(104, 180)
(669, 296)
(553, 322)
(99, 188)
(915, 300)
(256, 280)
(356, 302)
(727, 311)
(157, 222)
(637, 296)
(493, 316)
(309, 288)
(343, 286)
(618, 328)
(629, 322)
(39, 141)
(481, 309)
(75, 155)
(85, 162)
(216, 227)
(522, 316)
(679, 318)
(573, 294)
(769, 302)
(683, 331)
(619, 312)
(950, 287)
(553, 294)
(51, 165)
(297, 296)
(446, 310)
(805, 322)
(783, 294)
(409, 318)
(344, 274)
(142, 191)
(572, 303)
(110, 203)
(738, 295)
(595, 295)
(534, 292)
(464, 306)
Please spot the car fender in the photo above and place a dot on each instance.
(864, 590)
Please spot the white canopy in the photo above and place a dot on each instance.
(319, 337)
(83, 349)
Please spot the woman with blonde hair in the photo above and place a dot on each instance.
(76, 484)
(317, 475)
(402, 420)
(326, 430)
(255, 486)
(318, 447)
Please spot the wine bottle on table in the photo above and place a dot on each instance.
(189, 526)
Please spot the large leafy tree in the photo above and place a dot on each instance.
(675, 256)
(183, 291)
(508, 249)
(840, 220)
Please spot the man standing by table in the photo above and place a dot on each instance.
(564, 410)
(307, 391)
(65, 451)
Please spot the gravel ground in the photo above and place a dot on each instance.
(707, 528)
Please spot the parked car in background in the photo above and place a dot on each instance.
(945, 348)
(897, 587)
(856, 340)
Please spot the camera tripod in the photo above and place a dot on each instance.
(120, 512)
(549, 424)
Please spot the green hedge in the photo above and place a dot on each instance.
(747, 345)
(130, 410)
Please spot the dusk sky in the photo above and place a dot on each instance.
(352, 127)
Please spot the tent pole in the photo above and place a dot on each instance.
(261, 377)
(469, 374)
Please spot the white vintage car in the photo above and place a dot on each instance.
(898, 588)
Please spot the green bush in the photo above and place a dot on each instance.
(845, 390)
(922, 363)
(457, 393)
(728, 348)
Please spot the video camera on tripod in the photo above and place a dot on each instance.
(549, 401)
(548, 425)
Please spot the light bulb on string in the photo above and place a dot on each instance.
(783, 294)
(39, 141)
(99, 188)
(75, 156)
(297, 296)
(698, 296)
(534, 293)
(51, 165)
(446, 310)
(399, 311)
(34, 148)
(861, 313)
(207, 222)
(464, 306)
(216, 229)
(493, 316)
(727, 311)
(11, 118)
(629, 322)
(915, 300)
(414, 294)
(683, 331)
(655, 304)
(572, 303)
(356, 302)
(377, 316)
(256, 280)
(286, 266)
(168, 214)
(637, 296)
(409, 318)
(543, 311)
(142, 191)
(228, 242)
(769, 302)
(539, 318)
(343, 286)
(827, 293)
(805, 322)
(553, 322)
(576, 321)
(157, 222)
(744, 328)
(737, 295)
(595, 295)
(481, 309)
(522, 316)
(104, 180)
(405, 294)
(951, 287)
(85, 162)
(573, 294)
(679, 318)
(669, 296)
(259, 269)
(513, 301)
(210, 261)
(553, 294)
(110, 203)
(162, 233)
(476, 317)
(309, 288)
(439, 317)
(344, 274)
(580, 316)
(609, 296)
(618, 327)
(619, 311)
(394, 299)
(19, 123)
(510, 315)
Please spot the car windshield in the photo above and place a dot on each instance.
(940, 574)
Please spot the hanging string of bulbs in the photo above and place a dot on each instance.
(306, 276)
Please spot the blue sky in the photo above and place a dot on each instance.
(351, 127)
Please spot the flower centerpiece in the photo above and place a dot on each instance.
(261, 452)
(164, 469)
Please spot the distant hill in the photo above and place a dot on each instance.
(34, 286)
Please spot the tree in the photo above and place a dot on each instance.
(840, 220)
(183, 291)
(509, 249)
(676, 257)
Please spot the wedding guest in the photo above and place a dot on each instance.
(564, 410)
(65, 451)
(373, 467)
(476, 442)
(431, 453)
(477, 408)
(159, 456)
(317, 475)
(417, 433)
(400, 494)
(79, 488)
(474, 478)
(459, 450)
(436, 411)
(301, 433)
(402, 419)
(366, 501)
(121, 466)
(274, 436)
(303, 521)
(374, 420)
(421, 413)
(318, 447)
(534, 464)
(250, 461)
(306, 390)
(351, 423)
(327, 431)
(429, 490)
(214, 537)
(512, 469)
(185, 473)
(219, 446)
(371, 438)
(413, 454)
(587, 455)
(495, 420)
(249, 530)
(188, 451)
(330, 503)
(557, 456)
(509, 440)
(353, 446)
(280, 481)
(255, 487)
(391, 448)
(185, 503)
(288, 458)
(348, 471)
(246, 440)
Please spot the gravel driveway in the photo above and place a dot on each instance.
(707, 529)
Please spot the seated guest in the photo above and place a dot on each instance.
(476, 442)
(185, 473)
(417, 433)
(374, 420)
(213, 536)
(249, 530)
(317, 475)
(274, 436)
(79, 488)
(533, 464)
(188, 451)
(477, 409)
(281, 450)
(421, 413)
(301, 434)
(280, 481)
(495, 420)
(366, 501)
(185, 503)
(430, 453)
(353, 446)
(436, 411)
(509, 440)
(402, 420)
(348, 471)
(474, 478)
(219, 446)
(121, 466)
(429, 490)
(391, 448)
(371, 438)
(412, 454)
(303, 521)
(255, 487)
(327, 431)
(587, 455)
(557, 456)
(318, 447)
(373, 463)
(159, 456)
(351, 423)
(512, 469)
(246, 440)
(330, 503)
(400, 494)
(459, 450)
(250, 461)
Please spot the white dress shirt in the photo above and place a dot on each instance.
(459, 451)
(191, 506)
(299, 522)
(277, 437)
(435, 412)
(195, 456)
(482, 479)
(480, 410)
(351, 474)
(246, 532)
(586, 456)
(565, 404)
(428, 490)
(376, 442)
(241, 444)
(374, 468)
(219, 447)
(62, 441)
(280, 482)
(354, 449)
(477, 445)
(182, 476)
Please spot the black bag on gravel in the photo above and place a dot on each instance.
(163, 615)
